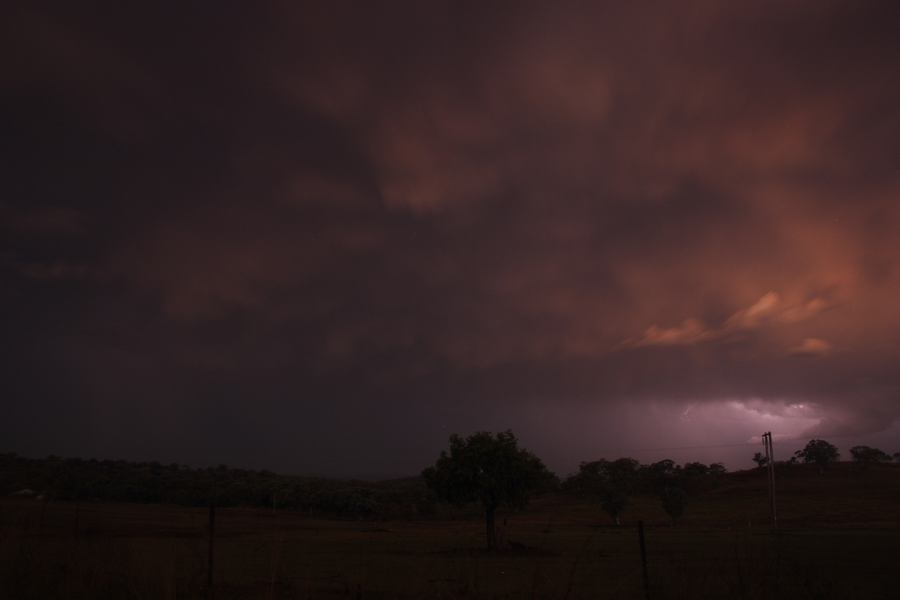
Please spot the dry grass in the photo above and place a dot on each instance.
(839, 540)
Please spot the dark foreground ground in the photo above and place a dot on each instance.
(839, 538)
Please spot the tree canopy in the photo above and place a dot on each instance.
(760, 459)
(609, 481)
(490, 469)
(597, 475)
(867, 454)
(819, 452)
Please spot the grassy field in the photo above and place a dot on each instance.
(839, 538)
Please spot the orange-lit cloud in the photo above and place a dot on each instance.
(439, 211)
(812, 347)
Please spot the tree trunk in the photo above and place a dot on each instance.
(491, 528)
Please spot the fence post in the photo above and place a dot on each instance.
(643, 560)
(212, 542)
(43, 502)
(77, 529)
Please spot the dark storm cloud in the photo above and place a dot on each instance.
(285, 235)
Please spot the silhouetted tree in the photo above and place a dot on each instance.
(865, 455)
(609, 482)
(820, 452)
(694, 469)
(673, 501)
(622, 474)
(613, 502)
(490, 469)
(655, 476)
(717, 469)
(665, 467)
(760, 459)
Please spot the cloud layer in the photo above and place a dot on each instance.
(398, 221)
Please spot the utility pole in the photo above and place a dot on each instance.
(770, 462)
(644, 576)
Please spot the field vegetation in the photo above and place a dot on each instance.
(837, 538)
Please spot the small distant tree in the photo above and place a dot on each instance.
(866, 455)
(613, 502)
(623, 473)
(695, 469)
(490, 469)
(664, 467)
(819, 452)
(760, 459)
(609, 482)
(717, 469)
(655, 476)
(674, 501)
(897, 456)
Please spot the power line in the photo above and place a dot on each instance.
(745, 444)
(737, 445)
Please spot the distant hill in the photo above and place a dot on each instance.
(845, 495)
(56, 478)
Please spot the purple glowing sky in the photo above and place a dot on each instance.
(320, 237)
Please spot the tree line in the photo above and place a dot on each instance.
(493, 471)
(822, 453)
(55, 478)
(486, 469)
